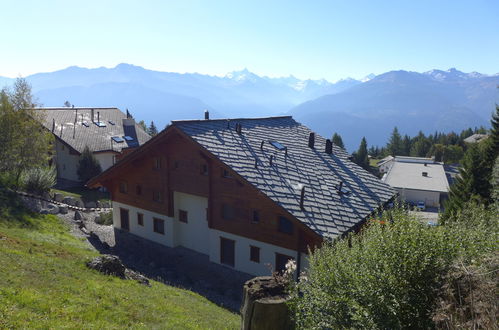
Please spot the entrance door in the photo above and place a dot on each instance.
(124, 219)
(227, 253)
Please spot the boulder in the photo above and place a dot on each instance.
(52, 209)
(97, 219)
(44, 211)
(47, 196)
(58, 197)
(63, 209)
(79, 203)
(69, 200)
(108, 264)
(90, 205)
(131, 275)
(78, 215)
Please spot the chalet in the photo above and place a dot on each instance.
(245, 192)
(418, 179)
(106, 132)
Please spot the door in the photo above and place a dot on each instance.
(227, 251)
(124, 219)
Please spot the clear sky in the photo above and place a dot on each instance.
(309, 39)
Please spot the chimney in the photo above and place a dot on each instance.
(53, 125)
(98, 117)
(206, 115)
(424, 174)
(329, 147)
(302, 197)
(239, 129)
(285, 151)
(271, 158)
(92, 115)
(311, 140)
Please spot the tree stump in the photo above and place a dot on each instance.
(264, 305)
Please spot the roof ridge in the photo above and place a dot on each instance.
(225, 119)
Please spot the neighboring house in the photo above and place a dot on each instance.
(475, 138)
(385, 164)
(106, 131)
(245, 192)
(418, 180)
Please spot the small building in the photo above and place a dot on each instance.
(106, 132)
(247, 193)
(418, 180)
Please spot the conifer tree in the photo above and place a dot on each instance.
(152, 130)
(360, 157)
(394, 146)
(338, 140)
(88, 166)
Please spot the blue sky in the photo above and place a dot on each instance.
(309, 39)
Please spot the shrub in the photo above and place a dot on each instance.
(88, 166)
(105, 218)
(39, 180)
(387, 276)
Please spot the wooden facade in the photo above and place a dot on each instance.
(175, 162)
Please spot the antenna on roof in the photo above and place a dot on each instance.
(206, 115)
(98, 118)
(228, 123)
(92, 112)
(74, 129)
(340, 187)
(256, 163)
(302, 197)
(271, 158)
(239, 128)
(53, 125)
(76, 115)
(285, 151)
(261, 145)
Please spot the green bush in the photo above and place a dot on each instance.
(105, 218)
(39, 180)
(387, 276)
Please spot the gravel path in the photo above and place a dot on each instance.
(178, 266)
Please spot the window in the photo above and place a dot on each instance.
(140, 219)
(157, 163)
(280, 262)
(138, 189)
(227, 212)
(117, 139)
(254, 253)
(156, 196)
(123, 187)
(285, 226)
(128, 138)
(225, 174)
(159, 226)
(256, 217)
(277, 145)
(204, 169)
(182, 216)
(100, 124)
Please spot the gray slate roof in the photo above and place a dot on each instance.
(96, 138)
(325, 211)
(409, 176)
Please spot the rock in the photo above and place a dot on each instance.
(108, 264)
(97, 219)
(79, 203)
(52, 209)
(47, 196)
(78, 215)
(69, 200)
(131, 275)
(98, 204)
(106, 205)
(90, 205)
(63, 209)
(44, 211)
(58, 197)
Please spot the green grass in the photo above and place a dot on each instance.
(44, 283)
(86, 195)
(373, 162)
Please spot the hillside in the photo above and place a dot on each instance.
(44, 283)
(435, 100)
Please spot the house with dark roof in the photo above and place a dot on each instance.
(105, 131)
(244, 192)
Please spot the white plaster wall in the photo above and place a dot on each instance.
(242, 253)
(105, 159)
(145, 231)
(431, 198)
(194, 234)
(66, 163)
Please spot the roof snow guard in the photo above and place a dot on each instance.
(322, 207)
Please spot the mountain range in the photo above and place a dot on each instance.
(370, 107)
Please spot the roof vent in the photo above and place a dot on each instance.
(261, 145)
(239, 128)
(311, 140)
(424, 174)
(302, 197)
(92, 114)
(329, 147)
(256, 163)
(425, 164)
(206, 115)
(53, 125)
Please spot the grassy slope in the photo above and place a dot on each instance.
(44, 283)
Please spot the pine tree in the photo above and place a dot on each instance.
(152, 130)
(360, 157)
(490, 152)
(143, 125)
(338, 140)
(394, 146)
(88, 166)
